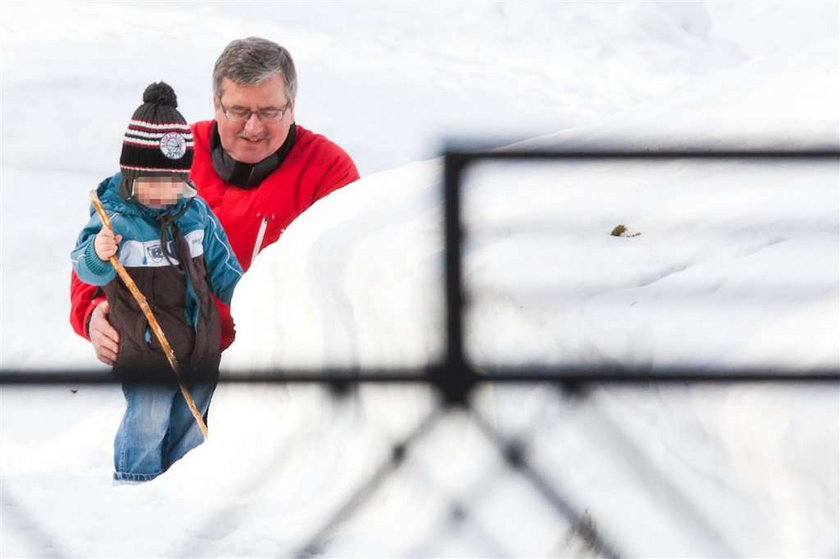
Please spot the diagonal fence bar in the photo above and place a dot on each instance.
(515, 455)
(366, 490)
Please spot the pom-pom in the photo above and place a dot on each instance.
(160, 93)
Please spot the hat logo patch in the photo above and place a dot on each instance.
(173, 145)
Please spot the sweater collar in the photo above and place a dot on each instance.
(246, 175)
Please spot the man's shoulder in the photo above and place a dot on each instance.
(312, 141)
(316, 150)
(201, 130)
(327, 165)
(202, 125)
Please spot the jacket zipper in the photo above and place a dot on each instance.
(260, 235)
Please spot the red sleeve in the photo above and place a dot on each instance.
(228, 328)
(340, 171)
(83, 299)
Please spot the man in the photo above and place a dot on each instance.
(254, 166)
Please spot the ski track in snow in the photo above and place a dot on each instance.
(664, 273)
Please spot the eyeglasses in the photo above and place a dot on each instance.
(237, 114)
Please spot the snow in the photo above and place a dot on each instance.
(736, 264)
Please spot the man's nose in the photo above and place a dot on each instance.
(253, 124)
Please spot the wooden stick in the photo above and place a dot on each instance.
(153, 323)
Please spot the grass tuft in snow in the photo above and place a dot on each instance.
(621, 230)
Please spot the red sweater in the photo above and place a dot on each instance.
(312, 168)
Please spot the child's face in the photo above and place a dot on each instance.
(158, 191)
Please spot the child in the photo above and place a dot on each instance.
(175, 250)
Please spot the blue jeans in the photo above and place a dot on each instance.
(157, 428)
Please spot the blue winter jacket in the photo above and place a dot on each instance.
(178, 292)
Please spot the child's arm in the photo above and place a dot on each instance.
(94, 247)
(105, 244)
(223, 269)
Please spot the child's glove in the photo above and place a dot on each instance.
(105, 244)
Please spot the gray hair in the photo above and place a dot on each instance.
(253, 60)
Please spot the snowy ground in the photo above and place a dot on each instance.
(735, 264)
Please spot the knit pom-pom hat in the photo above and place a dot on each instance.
(158, 141)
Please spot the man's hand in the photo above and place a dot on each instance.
(103, 336)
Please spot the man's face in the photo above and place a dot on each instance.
(254, 139)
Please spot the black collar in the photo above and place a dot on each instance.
(246, 175)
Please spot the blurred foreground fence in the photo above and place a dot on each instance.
(456, 378)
